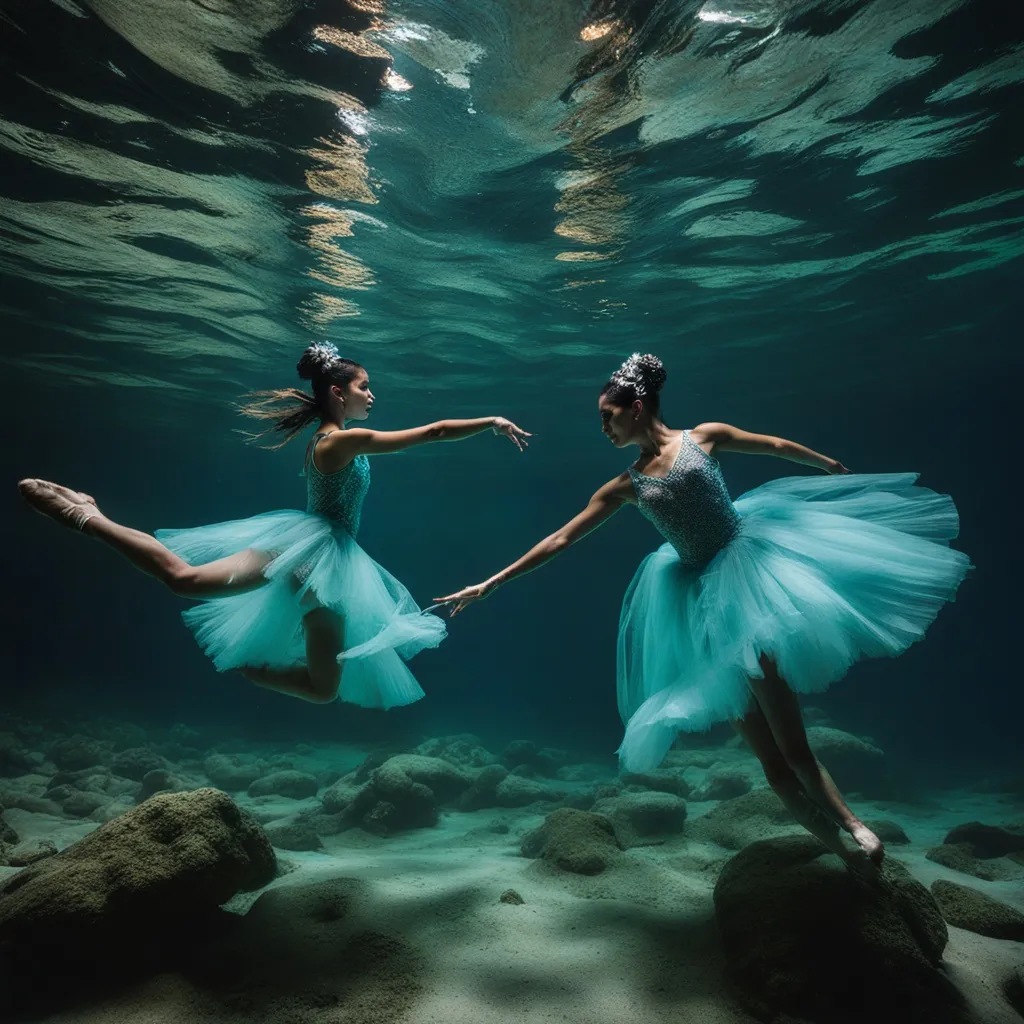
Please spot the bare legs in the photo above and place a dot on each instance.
(236, 574)
(775, 732)
(319, 680)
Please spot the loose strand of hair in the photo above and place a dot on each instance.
(290, 409)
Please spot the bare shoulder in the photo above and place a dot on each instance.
(336, 450)
(617, 490)
(712, 432)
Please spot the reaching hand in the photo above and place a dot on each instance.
(515, 434)
(837, 468)
(462, 598)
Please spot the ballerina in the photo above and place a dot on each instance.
(750, 602)
(289, 598)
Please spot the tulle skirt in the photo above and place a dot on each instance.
(823, 571)
(315, 563)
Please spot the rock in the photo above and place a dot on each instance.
(549, 760)
(987, 841)
(337, 797)
(81, 804)
(965, 907)
(7, 833)
(959, 857)
(297, 834)
(579, 773)
(14, 758)
(371, 763)
(580, 799)
(231, 772)
(75, 753)
(481, 792)
(735, 823)
(575, 841)
(723, 784)
(804, 938)
(644, 818)
(889, 832)
(662, 780)
(511, 896)
(444, 780)
(515, 791)
(292, 784)
(136, 762)
(173, 857)
(31, 852)
(519, 752)
(461, 751)
(856, 765)
(160, 780)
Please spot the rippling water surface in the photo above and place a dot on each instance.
(491, 191)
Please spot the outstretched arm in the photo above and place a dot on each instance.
(341, 447)
(727, 438)
(601, 507)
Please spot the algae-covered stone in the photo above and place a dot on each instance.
(643, 818)
(960, 857)
(965, 907)
(292, 784)
(803, 937)
(735, 823)
(575, 841)
(176, 855)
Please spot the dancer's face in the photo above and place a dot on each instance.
(358, 398)
(617, 421)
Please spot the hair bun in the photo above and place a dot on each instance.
(644, 373)
(652, 371)
(316, 360)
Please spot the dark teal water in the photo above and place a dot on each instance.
(811, 211)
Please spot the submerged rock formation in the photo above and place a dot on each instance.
(964, 907)
(804, 938)
(572, 840)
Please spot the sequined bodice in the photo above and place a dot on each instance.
(338, 496)
(690, 507)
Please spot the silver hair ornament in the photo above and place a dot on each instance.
(631, 373)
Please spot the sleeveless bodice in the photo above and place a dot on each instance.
(690, 507)
(337, 496)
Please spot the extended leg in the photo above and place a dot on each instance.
(319, 680)
(232, 575)
(754, 729)
(782, 713)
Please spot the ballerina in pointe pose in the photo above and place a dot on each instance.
(749, 601)
(289, 599)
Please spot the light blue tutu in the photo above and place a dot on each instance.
(818, 572)
(316, 562)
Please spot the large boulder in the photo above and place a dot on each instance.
(173, 857)
(960, 857)
(805, 938)
(964, 907)
(644, 819)
(14, 758)
(136, 762)
(724, 782)
(735, 823)
(405, 792)
(855, 764)
(292, 784)
(76, 753)
(573, 840)
(231, 772)
(986, 841)
(662, 780)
